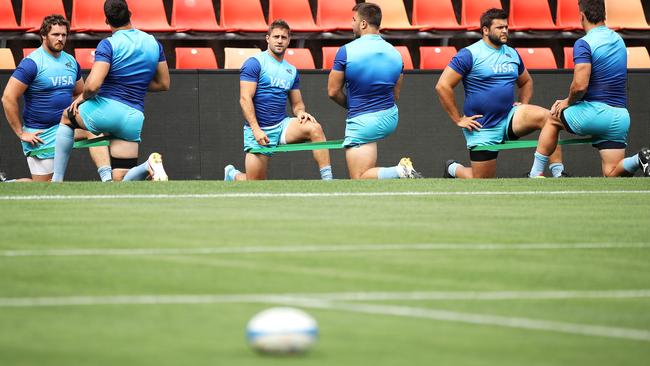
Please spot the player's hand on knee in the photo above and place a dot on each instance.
(305, 117)
(558, 107)
(260, 137)
(31, 137)
(74, 107)
(470, 123)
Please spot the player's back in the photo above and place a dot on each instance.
(134, 56)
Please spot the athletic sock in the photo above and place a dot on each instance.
(105, 173)
(389, 173)
(556, 169)
(631, 164)
(452, 169)
(140, 172)
(538, 165)
(326, 173)
(232, 173)
(62, 149)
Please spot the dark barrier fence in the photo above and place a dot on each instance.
(197, 127)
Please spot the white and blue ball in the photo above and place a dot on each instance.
(282, 330)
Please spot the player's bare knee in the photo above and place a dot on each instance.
(316, 132)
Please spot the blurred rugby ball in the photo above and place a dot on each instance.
(282, 330)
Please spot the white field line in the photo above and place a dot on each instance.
(73, 252)
(314, 195)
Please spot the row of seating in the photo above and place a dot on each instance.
(431, 58)
(331, 15)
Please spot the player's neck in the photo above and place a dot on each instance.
(276, 57)
(367, 31)
(589, 26)
(52, 53)
(489, 43)
(124, 27)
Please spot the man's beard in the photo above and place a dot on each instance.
(496, 40)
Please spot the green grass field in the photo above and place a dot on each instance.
(422, 272)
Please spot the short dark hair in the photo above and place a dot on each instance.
(490, 15)
(594, 10)
(369, 12)
(54, 19)
(117, 13)
(279, 23)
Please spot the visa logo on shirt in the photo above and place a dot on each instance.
(279, 83)
(62, 80)
(503, 68)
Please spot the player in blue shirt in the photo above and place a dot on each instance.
(370, 71)
(48, 79)
(265, 82)
(127, 65)
(489, 70)
(597, 101)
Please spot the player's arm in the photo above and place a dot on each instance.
(10, 102)
(525, 84)
(78, 88)
(247, 91)
(335, 84)
(398, 87)
(445, 89)
(298, 107)
(578, 88)
(95, 79)
(161, 80)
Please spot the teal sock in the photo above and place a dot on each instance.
(452, 169)
(139, 172)
(105, 173)
(631, 164)
(62, 149)
(326, 173)
(556, 169)
(388, 173)
(538, 165)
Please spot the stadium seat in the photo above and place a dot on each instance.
(329, 53)
(435, 14)
(568, 15)
(393, 15)
(335, 14)
(7, 59)
(537, 58)
(295, 12)
(235, 57)
(625, 14)
(301, 58)
(435, 58)
(149, 15)
(33, 12)
(88, 16)
(638, 58)
(530, 15)
(568, 58)
(406, 57)
(85, 57)
(242, 16)
(8, 17)
(471, 10)
(194, 15)
(195, 58)
(27, 51)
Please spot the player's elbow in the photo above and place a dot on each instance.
(164, 85)
(332, 93)
(442, 88)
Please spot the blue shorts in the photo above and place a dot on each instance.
(49, 139)
(370, 127)
(103, 115)
(490, 136)
(608, 125)
(276, 135)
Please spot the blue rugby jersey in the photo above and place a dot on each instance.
(489, 77)
(605, 50)
(274, 80)
(134, 56)
(50, 83)
(372, 67)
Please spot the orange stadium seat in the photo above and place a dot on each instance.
(235, 57)
(334, 14)
(393, 15)
(435, 14)
(638, 58)
(295, 12)
(7, 59)
(568, 58)
(329, 53)
(406, 57)
(194, 15)
(195, 58)
(537, 58)
(27, 51)
(8, 17)
(435, 58)
(530, 15)
(471, 10)
(301, 58)
(88, 16)
(33, 12)
(149, 15)
(85, 57)
(625, 14)
(568, 15)
(242, 16)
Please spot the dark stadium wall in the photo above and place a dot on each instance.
(197, 126)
